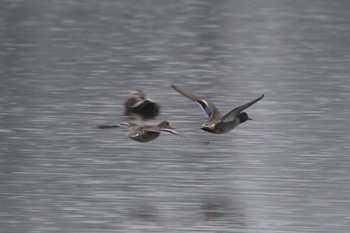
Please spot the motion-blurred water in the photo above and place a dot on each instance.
(67, 66)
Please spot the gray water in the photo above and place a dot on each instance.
(67, 66)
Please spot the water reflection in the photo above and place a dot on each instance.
(219, 208)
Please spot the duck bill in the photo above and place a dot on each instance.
(250, 119)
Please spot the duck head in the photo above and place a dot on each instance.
(165, 124)
(137, 95)
(243, 117)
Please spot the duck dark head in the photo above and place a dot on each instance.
(243, 117)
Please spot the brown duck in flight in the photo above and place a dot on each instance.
(144, 133)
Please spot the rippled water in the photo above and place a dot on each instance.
(67, 66)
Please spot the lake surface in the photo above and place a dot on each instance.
(67, 66)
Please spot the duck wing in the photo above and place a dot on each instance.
(209, 108)
(171, 131)
(235, 112)
(123, 125)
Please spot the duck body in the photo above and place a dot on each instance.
(147, 109)
(220, 127)
(138, 104)
(142, 134)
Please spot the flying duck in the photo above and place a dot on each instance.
(144, 133)
(138, 104)
(218, 123)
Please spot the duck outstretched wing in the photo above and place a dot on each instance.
(172, 132)
(123, 125)
(209, 108)
(235, 112)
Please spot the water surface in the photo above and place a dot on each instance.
(67, 66)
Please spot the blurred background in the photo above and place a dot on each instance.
(69, 65)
